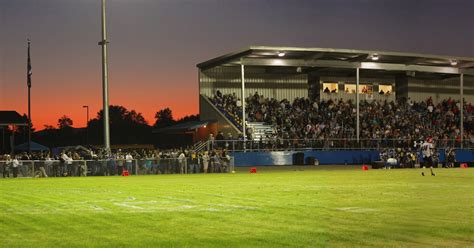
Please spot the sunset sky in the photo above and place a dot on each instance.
(156, 44)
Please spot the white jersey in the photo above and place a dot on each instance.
(181, 158)
(129, 158)
(427, 149)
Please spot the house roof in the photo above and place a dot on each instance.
(12, 118)
(184, 127)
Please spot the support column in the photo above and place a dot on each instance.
(314, 85)
(461, 89)
(401, 87)
(357, 104)
(242, 71)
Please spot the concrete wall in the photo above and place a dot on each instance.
(326, 157)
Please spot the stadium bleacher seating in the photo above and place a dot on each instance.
(379, 120)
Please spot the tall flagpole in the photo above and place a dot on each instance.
(105, 83)
(28, 81)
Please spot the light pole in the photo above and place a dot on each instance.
(105, 81)
(87, 123)
(28, 82)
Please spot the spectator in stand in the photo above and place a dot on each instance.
(383, 123)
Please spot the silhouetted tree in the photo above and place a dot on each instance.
(136, 118)
(164, 118)
(21, 132)
(126, 126)
(188, 118)
(64, 122)
(48, 127)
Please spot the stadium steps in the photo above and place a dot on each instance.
(260, 129)
(201, 146)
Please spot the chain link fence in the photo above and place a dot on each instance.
(115, 167)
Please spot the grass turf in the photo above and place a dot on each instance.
(273, 208)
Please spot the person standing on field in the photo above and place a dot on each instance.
(128, 162)
(120, 159)
(15, 165)
(427, 148)
(182, 162)
(47, 163)
(6, 166)
(205, 161)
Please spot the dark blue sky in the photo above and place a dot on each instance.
(155, 44)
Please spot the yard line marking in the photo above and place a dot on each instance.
(127, 205)
(356, 209)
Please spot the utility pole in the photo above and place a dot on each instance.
(28, 82)
(87, 123)
(105, 83)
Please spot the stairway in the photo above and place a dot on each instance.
(260, 129)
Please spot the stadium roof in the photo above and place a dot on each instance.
(12, 118)
(344, 59)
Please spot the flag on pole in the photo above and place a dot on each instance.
(28, 71)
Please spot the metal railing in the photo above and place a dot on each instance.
(112, 167)
(328, 144)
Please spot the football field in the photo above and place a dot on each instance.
(277, 207)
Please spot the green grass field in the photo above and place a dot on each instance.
(343, 207)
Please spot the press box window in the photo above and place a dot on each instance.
(330, 87)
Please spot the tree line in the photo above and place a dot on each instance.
(126, 127)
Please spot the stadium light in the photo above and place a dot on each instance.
(375, 57)
(281, 54)
(453, 62)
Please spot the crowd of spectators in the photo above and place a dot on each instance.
(408, 157)
(390, 123)
(230, 105)
(99, 162)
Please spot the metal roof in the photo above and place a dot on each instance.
(183, 127)
(344, 59)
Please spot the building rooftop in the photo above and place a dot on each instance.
(343, 59)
